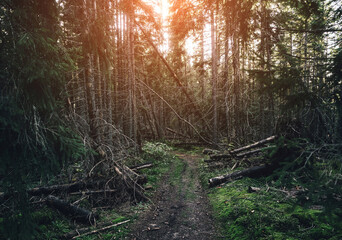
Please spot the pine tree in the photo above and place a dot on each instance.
(35, 142)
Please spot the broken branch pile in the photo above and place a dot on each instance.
(126, 185)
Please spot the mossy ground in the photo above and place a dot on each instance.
(52, 225)
(269, 213)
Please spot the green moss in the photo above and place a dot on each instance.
(266, 215)
(271, 214)
(50, 224)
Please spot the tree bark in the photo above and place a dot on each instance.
(256, 171)
(77, 213)
(214, 78)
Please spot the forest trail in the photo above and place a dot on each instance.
(181, 208)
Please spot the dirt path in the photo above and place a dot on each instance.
(181, 209)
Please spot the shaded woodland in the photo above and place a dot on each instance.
(85, 83)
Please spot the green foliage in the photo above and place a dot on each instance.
(159, 154)
(156, 151)
(119, 232)
(335, 82)
(298, 159)
(268, 215)
(52, 225)
(35, 142)
(314, 213)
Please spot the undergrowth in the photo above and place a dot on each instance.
(51, 225)
(159, 154)
(272, 213)
(269, 215)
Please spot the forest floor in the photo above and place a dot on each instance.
(181, 209)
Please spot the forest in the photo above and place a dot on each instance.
(106, 104)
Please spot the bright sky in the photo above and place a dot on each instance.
(162, 7)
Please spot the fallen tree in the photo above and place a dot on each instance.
(77, 213)
(70, 187)
(54, 189)
(256, 171)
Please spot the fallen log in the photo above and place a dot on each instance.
(77, 213)
(256, 144)
(249, 172)
(46, 190)
(70, 187)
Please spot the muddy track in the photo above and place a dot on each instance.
(181, 209)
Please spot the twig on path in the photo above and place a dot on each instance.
(101, 229)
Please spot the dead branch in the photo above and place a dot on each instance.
(86, 231)
(95, 192)
(131, 182)
(141, 166)
(256, 144)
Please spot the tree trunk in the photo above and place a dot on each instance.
(77, 213)
(256, 171)
(214, 78)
